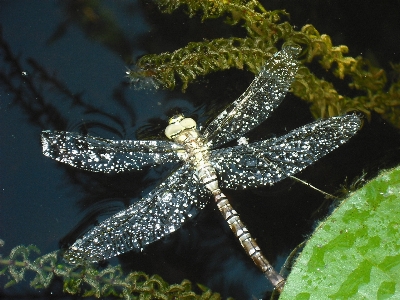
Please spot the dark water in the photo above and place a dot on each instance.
(75, 81)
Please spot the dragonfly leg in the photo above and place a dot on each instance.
(246, 240)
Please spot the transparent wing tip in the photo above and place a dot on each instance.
(74, 257)
(292, 48)
(80, 254)
(357, 117)
(355, 121)
(47, 138)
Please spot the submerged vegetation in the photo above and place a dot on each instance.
(89, 280)
(265, 32)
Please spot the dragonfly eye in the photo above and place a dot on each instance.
(173, 129)
(188, 123)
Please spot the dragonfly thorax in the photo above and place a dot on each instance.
(183, 131)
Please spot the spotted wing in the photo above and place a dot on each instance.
(266, 162)
(102, 155)
(160, 213)
(263, 95)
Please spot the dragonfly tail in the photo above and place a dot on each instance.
(246, 240)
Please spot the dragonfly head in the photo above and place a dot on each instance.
(177, 124)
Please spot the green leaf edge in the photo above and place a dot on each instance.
(355, 252)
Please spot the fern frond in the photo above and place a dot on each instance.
(265, 29)
(88, 280)
(209, 9)
(201, 58)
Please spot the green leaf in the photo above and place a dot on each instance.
(355, 253)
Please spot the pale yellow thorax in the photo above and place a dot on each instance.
(183, 131)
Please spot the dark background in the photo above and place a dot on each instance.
(75, 62)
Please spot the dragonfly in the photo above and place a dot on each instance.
(203, 167)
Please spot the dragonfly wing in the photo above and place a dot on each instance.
(102, 155)
(262, 96)
(160, 213)
(266, 162)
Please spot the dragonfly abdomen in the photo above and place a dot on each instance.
(247, 241)
(198, 157)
